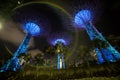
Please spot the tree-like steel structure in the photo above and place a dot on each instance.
(31, 29)
(84, 19)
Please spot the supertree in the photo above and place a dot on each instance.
(84, 19)
(60, 41)
(31, 29)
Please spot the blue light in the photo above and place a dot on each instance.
(59, 40)
(32, 28)
(13, 64)
(99, 56)
(58, 63)
(82, 17)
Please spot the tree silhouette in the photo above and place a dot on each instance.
(100, 44)
(84, 54)
(27, 57)
(38, 59)
(50, 50)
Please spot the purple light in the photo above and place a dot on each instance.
(60, 40)
(59, 37)
(56, 40)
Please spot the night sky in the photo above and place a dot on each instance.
(54, 19)
(109, 20)
(106, 14)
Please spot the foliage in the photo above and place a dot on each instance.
(100, 44)
(7, 7)
(27, 57)
(95, 72)
(84, 54)
(50, 50)
(38, 59)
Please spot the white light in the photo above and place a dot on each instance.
(19, 2)
(60, 63)
(0, 25)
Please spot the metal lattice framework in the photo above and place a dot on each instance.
(110, 53)
(84, 19)
(13, 64)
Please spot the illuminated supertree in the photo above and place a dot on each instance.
(60, 41)
(84, 19)
(31, 29)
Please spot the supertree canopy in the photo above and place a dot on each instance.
(59, 37)
(82, 17)
(12, 64)
(32, 28)
(60, 40)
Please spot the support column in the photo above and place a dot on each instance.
(58, 62)
(13, 63)
(109, 52)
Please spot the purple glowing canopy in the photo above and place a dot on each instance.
(59, 37)
(82, 17)
(59, 40)
(32, 28)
